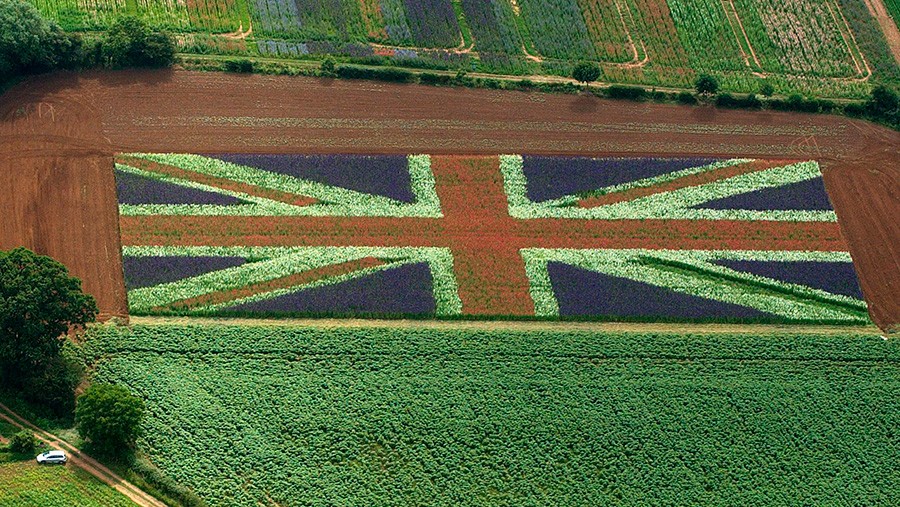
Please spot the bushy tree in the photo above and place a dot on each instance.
(766, 89)
(23, 442)
(130, 42)
(327, 68)
(24, 37)
(706, 85)
(109, 418)
(884, 101)
(39, 303)
(586, 72)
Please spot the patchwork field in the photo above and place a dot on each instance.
(394, 416)
(805, 45)
(509, 236)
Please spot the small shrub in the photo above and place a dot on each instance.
(635, 93)
(435, 79)
(327, 69)
(766, 89)
(686, 98)
(23, 442)
(109, 418)
(242, 66)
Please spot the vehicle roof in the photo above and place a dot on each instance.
(55, 453)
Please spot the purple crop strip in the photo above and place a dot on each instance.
(147, 271)
(432, 23)
(585, 293)
(404, 290)
(833, 277)
(804, 195)
(385, 175)
(135, 189)
(554, 177)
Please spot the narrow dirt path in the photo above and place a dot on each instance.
(83, 461)
(888, 26)
(519, 326)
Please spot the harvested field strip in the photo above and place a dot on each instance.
(302, 231)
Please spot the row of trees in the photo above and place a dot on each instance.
(40, 304)
(31, 44)
(883, 104)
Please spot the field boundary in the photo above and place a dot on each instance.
(524, 326)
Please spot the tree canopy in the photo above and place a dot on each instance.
(109, 417)
(586, 72)
(706, 85)
(130, 42)
(39, 302)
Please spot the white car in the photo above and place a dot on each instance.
(52, 457)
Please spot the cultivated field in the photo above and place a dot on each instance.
(26, 483)
(183, 112)
(361, 416)
(823, 46)
(508, 236)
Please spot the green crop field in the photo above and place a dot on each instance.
(25, 483)
(823, 47)
(367, 416)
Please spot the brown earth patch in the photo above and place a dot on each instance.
(98, 114)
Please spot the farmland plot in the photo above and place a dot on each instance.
(214, 16)
(26, 483)
(608, 238)
(806, 38)
(486, 418)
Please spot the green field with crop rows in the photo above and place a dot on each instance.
(825, 47)
(367, 416)
(25, 483)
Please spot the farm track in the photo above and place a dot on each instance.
(107, 113)
(888, 26)
(83, 461)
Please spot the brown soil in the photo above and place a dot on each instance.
(102, 114)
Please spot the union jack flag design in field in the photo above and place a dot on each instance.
(518, 236)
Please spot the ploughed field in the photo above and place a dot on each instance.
(480, 236)
(830, 47)
(735, 216)
(364, 416)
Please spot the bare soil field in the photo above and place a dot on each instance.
(61, 121)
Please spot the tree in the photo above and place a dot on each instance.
(129, 42)
(586, 72)
(23, 38)
(109, 417)
(328, 67)
(884, 101)
(39, 303)
(766, 89)
(706, 85)
(23, 442)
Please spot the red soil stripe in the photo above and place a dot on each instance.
(687, 181)
(494, 234)
(279, 283)
(488, 266)
(213, 181)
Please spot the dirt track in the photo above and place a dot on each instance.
(101, 114)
